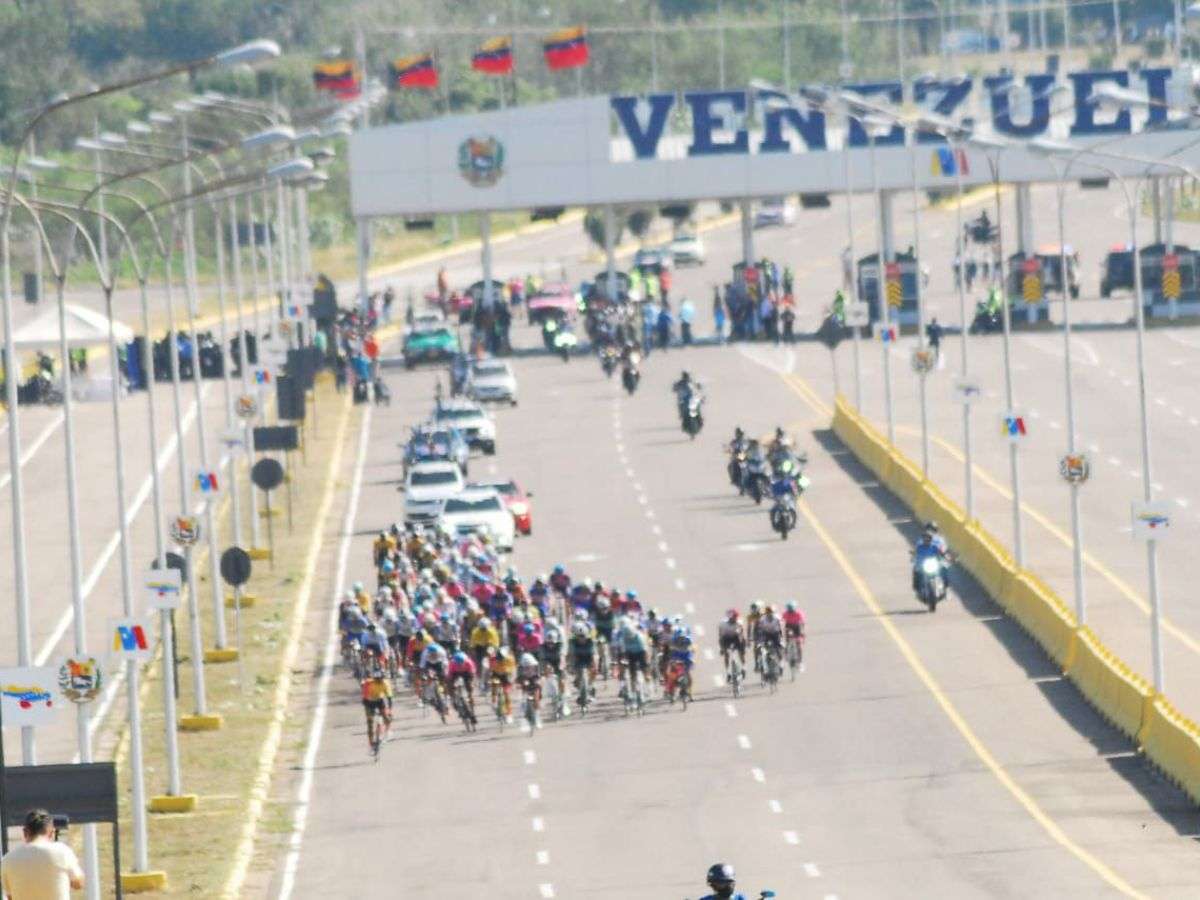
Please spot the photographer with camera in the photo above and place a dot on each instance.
(41, 868)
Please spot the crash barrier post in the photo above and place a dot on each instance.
(1125, 699)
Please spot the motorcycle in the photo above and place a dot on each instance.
(757, 482)
(783, 516)
(693, 419)
(630, 376)
(736, 469)
(930, 582)
(986, 321)
(608, 361)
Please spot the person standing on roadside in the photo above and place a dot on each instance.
(718, 310)
(664, 284)
(687, 315)
(41, 868)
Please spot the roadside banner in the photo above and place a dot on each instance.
(1151, 520)
(162, 588)
(29, 695)
(130, 639)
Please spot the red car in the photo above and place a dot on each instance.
(516, 500)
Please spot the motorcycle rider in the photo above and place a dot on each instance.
(721, 879)
(756, 462)
(931, 545)
(685, 388)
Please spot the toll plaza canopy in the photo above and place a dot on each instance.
(704, 144)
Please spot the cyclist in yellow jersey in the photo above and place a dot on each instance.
(752, 618)
(377, 701)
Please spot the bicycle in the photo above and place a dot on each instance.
(795, 655)
(435, 696)
(501, 702)
(554, 694)
(530, 707)
(377, 726)
(734, 673)
(681, 686)
(771, 669)
(583, 689)
(464, 707)
(603, 659)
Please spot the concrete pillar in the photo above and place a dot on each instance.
(1024, 219)
(363, 244)
(1156, 207)
(886, 228)
(610, 258)
(747, 232)
(485, 256)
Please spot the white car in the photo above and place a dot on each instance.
(775, 211)
(687, 249)
(427, 320)
(469, 418)
(492, 380)
(480, 509)
(427, 488)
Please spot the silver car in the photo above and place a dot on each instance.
(492, 380)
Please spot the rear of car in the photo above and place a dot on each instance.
(687, 250)
(429, 345)
(427, 488)
(477, 510)
(515, 500)
(492, 381)
(470, 419)
(775, 211)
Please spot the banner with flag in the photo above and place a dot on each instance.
(566, 48)
(416, 71)
(494, 56)
(1014, 427)
(339, 77)
(206, 482)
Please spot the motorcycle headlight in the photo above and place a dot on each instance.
(930, 566)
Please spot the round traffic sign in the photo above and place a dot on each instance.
(235, 566)
(267, 474)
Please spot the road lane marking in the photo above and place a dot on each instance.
(689, 608)
(1114, 460)
(680, 584)
(731, 710)
(535, 792)
(775, 807)
(811, 870)
(539, 824)
(547, 890)
(643, 499)
(1183, 502)
(758, 775)
(649, 514)
(543, 857)
(655, 530)
(931, 684)
(530, 757)
(699, 629)
(663, 548)
(791, 837)
(718, 681)
(629, 472)
(743, 741)
(708, 654)
(42, 437)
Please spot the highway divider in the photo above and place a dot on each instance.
(1125, 699)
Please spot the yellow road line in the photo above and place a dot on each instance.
(980, 749)
(270, 748)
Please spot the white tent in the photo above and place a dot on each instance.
(85, 328)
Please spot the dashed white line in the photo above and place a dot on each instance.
(530, 757)
(670, 562)
(1159, 401)
(680, 585)
(1114, 460)
(708, 653)
(649, 514)
(547, 890)
(731, 710)
(539, 824)
(689, 608)
(1127, 382)
(758, 775)
(699, 629)
(656, 530)
(637, 486)
(663, 548)
(535, 792)
(643, 499)
(543, 857)
(1134, 473)
(1178, 412)
(791, 837)
(775, 807)
(718, 680)
(1193, 421)
(620, 447)
(1094, 448)
(1183, 502)
(811, 870)
(743, 741)
(1055, 425)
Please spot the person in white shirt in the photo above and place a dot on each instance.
(41, 868)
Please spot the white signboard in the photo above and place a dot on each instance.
(130, 639)
(1151, 521)
(29, 695)
(161, 588)
(858, 315)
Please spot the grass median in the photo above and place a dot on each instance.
(197, 849)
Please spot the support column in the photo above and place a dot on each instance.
(1169, 237)
(1024, 202)
(886, 230)
(747, 232)
(363, 244)
(610, 259)
(485, 257)
(1156, 208)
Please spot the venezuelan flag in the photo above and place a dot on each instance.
(949, 161)
(414, 71)
(338, 76)
(494, 56)
(567, 48)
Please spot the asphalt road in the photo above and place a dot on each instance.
(891, 767)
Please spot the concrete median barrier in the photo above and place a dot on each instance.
(1124, 698)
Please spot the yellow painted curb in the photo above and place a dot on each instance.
(143, 882)
(166, 803)
(248, 600)
(210, 722)
(272, 513)
(221, 655)
(259, 553)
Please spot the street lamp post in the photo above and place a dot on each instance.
(871, 124)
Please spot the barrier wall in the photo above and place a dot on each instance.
(1124, 698)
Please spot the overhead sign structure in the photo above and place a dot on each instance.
(29, 695)
(1151, 520)
(162, 588)
(715, 144)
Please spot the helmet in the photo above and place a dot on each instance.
(445, 616)
(587, 583)
(519, 615)
(685, 376)
(754, 606)
(653, 614)
(677, 619)
(485, 622)
(579, 629)
(931, 527)
(435, 647)
(551, 622)
(528, 628)
(559, 570)
(505, 653)
(372, 627)
(770, 610)
(388, 566)
(631, 594)
(358, 587)
(349, 595)
(778, 433)
(528, 660)
(541, 579)
(737, 432)
(732, 615)
(791, 606)
(460, 657)
(598, 586)
(622, 623)
(602, 603)
(720, 875)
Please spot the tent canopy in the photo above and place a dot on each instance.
(85, 328)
